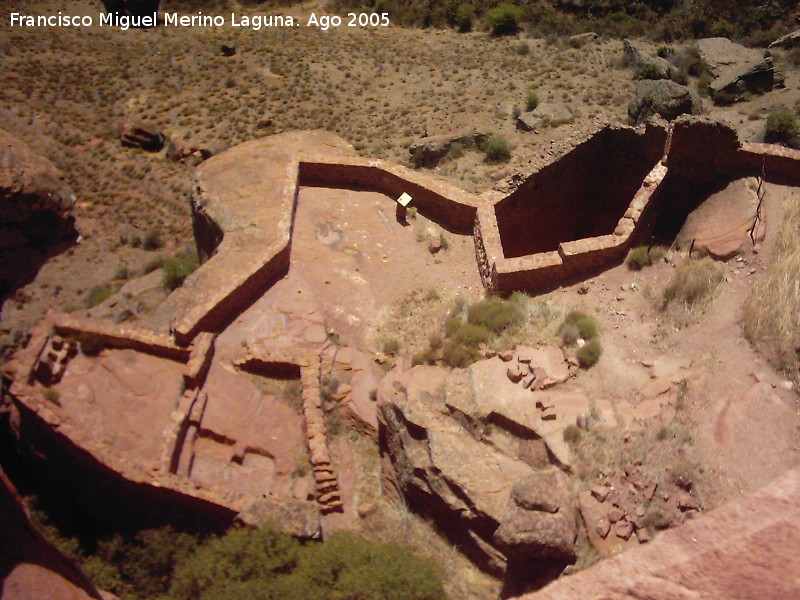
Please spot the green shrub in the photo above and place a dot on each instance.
(721, 28)
(240, 556)
(531, 100)
(98, 294)
(391, 347)
(650, 72)
(464, 17)
(52, 395)
(781, 126)
(153, 240)
(472, 334)
(694, 283)
(586, 324)
(497, 148)
(504, 19)
(456, 355)
(644, 256)
(177, 268)
(269, 564)
(572, 434)
(523, 49)
(495, 314)
(589, 354)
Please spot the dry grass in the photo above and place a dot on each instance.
(772, 312)
(693, 286)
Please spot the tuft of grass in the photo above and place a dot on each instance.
(52, 396)
(782, 127)
(391, 347)
(693, 285)
(497, 148)
(98, 294)
(495, 314)
(153, 240)
(644, 256)
(589, 354)
(772, 311)
(572, 434)
(177, 268)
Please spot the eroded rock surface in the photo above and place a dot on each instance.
(35, 203)
(736, 69)
(664, 98)
(493, 492)
(547, 114)
(644, 63)
(744, 549)
(429, 151)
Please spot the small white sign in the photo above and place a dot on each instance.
(404, 199)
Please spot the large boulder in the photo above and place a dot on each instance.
(144, 136)
(467, 473)
(430, 151)
(736, 70)
(644, 63)
(547, 114)
(665, 98)
(35, 202)
(790, 40)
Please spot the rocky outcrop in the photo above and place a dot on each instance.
(736, 70)
(430, 151)
(495, 494)
(744, 549)
(664, 98)
(144, 136)
(790, 40)
(645, 64)
(30, 567)
(547, 114)
(35, 202)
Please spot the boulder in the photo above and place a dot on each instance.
(790, 40)
(495, 505)
(430, 151)
(144, 136)
(665, 98)
(547, 114)
(35, 203)
(576, 41)
(540, 518)
(736, 70)
(644, 63)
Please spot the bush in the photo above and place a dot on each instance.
(638, 258)
(589, 354)
(464, 16)
(531, 100)
(782, 127)
(269, 564)
(572, 434)
(504, 19)
(457, 355)
(152, 240)
(721, 28)
(587, 326)
(497, 148)
(98, 294)
(177, 268)
(494, 314)
(391, 346)
(694, 284)
(523, 49)
(472, 334)
(52, 395)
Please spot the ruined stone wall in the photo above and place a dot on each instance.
(447, 205)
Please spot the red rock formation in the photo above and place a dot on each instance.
(30, 567)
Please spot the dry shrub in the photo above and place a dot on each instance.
(693, 285)
(772, 311)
